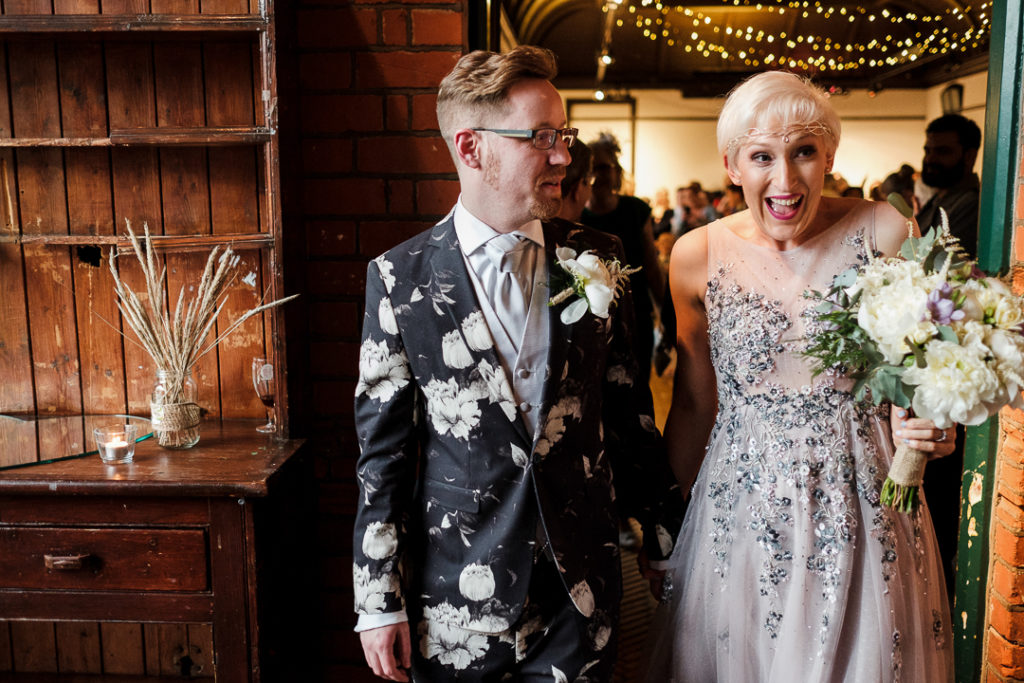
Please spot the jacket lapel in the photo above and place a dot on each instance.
(560, 334)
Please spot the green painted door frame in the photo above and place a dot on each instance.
(999, 171)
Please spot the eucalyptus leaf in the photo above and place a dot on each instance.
(900, 204)
(845, 279)
(946, 333)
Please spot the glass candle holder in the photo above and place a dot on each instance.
(116, 443)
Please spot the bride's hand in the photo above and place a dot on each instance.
(922, 434)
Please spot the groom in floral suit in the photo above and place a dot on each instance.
(490, 423)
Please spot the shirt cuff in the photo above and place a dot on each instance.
(368, 621)
(658, 565)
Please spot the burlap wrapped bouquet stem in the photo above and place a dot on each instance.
(905, 476)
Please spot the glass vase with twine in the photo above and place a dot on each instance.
(175, 341)
(173, 409)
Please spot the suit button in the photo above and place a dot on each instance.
(523, 373)
(524, 406)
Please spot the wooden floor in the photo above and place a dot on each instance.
(637, 602)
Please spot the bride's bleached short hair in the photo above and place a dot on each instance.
(775, 103)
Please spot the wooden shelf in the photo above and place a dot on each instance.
(118, 23)
(162, 243)
(164, 136)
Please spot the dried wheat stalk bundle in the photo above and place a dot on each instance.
(175, 341)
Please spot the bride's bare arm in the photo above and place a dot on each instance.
(694, 402)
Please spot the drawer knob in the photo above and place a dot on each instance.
(65, 563)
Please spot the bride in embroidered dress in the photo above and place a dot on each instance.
(788, 568)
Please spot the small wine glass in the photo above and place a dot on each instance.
(263, 383)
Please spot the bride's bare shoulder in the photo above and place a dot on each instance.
(891, 228)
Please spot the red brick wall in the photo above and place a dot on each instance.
(1004, 639)
(363, 168)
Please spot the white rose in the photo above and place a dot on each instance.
(476, 582)
(1008, 314)
(380, 540)
(954, 386)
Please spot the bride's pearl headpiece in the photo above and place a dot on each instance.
(785, 132)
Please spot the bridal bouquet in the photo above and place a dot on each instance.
(928, 331)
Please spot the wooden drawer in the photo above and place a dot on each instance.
(103, 559)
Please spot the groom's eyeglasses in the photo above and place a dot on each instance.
(542, 138)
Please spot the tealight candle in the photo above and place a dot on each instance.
(115, 444)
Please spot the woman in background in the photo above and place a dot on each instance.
(628, 218)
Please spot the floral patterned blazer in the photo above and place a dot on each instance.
(454, 492)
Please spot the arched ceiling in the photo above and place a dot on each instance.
(704, 48)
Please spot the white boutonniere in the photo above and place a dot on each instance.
(597, 282)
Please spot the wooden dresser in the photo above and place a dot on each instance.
(201, 536)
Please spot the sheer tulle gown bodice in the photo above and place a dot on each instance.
(788, 569)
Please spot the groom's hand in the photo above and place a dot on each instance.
(380, 645)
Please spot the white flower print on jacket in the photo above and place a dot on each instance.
(386, 275)
(452, 408)
(476, 582)
(454, 351)
(495, 388)
(477, 335)
(371, 592)
(386, 316)
(381, 373)
(583, 597)
(554, 428)
(380, 541)
(443, 636)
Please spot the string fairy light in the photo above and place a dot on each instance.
(909, 36)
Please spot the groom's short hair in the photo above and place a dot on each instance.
(477, 88)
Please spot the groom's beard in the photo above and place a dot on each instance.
(539, 206)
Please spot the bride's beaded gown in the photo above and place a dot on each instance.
(788, 569)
